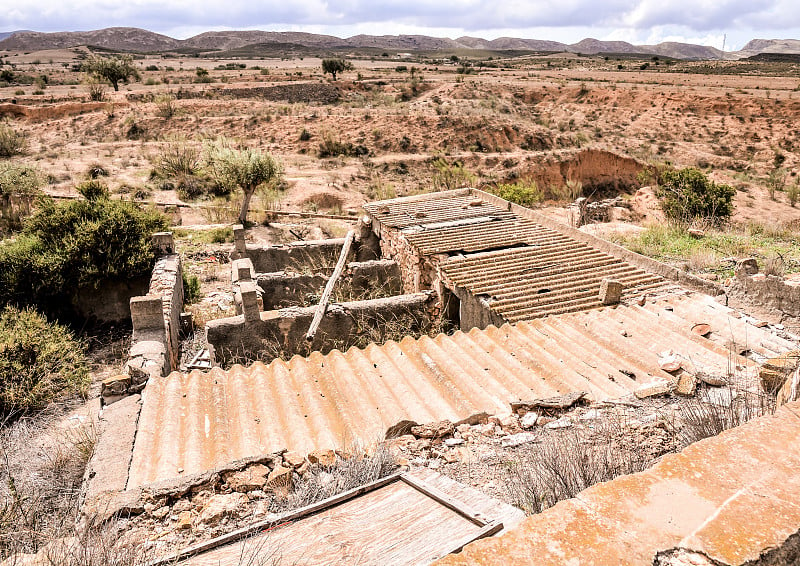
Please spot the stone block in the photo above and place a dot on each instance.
(250, 308)
(239, 239)
(747, 266)
(114, 386)
(164, 243)
(610, 291)
(242, 270)
(147, 313)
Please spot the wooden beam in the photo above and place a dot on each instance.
(274, 520)
(326, 294)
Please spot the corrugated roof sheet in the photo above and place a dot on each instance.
(551, 278)
(525, 270)
(193, 422)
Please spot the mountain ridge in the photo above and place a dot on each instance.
(141, 40)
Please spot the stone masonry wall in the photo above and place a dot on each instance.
(155, 345)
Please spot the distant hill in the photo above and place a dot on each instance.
(134, 39)
(756, 46)
(123, 39)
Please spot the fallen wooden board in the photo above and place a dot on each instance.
(401, 519)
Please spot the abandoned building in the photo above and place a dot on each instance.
(527, 308)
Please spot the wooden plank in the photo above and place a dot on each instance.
(275, 520)
(326, 294)
(443, 499)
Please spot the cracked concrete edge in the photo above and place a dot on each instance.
(107, 469)
(108, 504)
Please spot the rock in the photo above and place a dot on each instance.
(528, 420)
(543, 420)
(590, 415)
(434, 430)
(711, 379)
(696, 233)
(563, 422)
(221, 506)
(453, 441)
(279, 477)
(249, 479)
(293, 459)
(256, 494)
(303, 468)
(669, 361)
(516, 439)
(402, 462)
(182, 505)
(435, 464)
(160, 513)
(653, 389)
(610, 291)
(748, 266)
(450, 457)
(687, 383)
(185, 520)
(560, 402)
(464, 427)
(326, 458)
(465, 454)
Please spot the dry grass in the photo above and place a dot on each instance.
(566, 463)
(41, 470)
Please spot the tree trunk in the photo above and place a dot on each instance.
(248, 194)
(115, 84)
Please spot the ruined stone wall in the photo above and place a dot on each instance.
(417, 273)
(155, 345)
(265, 335)
(769, 296)
(283, 289)
(312, 256)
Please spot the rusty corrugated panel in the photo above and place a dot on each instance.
(553, 278)
(431, 208)
(193, 422)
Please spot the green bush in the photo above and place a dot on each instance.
(74, 245)
(19, 187)
(687, 195)
(191, 289)
(11, 142)
(40, 362)
(93, 190)
(521, 193)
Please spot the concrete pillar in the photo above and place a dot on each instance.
(239, 241)
(610, 291)
(164, 243)
(249, 301)
(147, 313)
(242, 270)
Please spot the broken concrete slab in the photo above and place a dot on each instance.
(517, 439)
(560, 402)
(654, 388)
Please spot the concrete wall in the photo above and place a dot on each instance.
(283, 289)
(111, 301)
(155, 345)
(266, 335)
(313, 256)
(769, 296)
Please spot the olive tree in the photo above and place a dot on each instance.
(334, 66)
(111, 69)
(246, 169)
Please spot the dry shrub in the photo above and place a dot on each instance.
(566, 463)
(703, 416)
(11, 142)
(41, 470)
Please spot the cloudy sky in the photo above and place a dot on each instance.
(637, 21)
